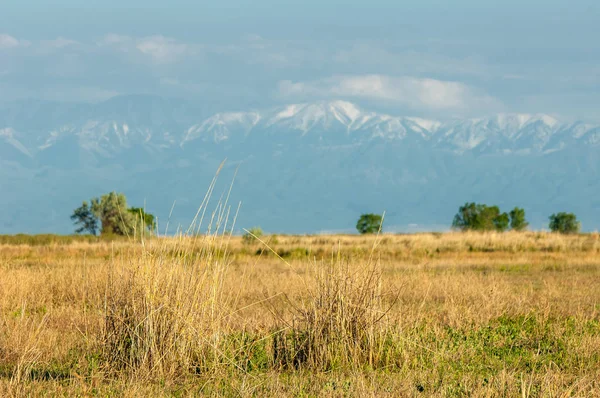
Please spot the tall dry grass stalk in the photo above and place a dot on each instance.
(166, 310)
(24, 337)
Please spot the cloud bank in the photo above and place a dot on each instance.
(422, 77)
(412, 92)
(8, 41)
(159, 48)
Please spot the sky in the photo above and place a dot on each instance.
(436, 59)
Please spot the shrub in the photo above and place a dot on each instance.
(251, 235)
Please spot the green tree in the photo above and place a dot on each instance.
(517, 219)
(480, 217)
(143, 219)
(501, 221)
(565, 223)
(369, 223)
(468, 217)
(85, 219)
(112, 211)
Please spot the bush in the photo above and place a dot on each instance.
(273, 240)
(251, 235)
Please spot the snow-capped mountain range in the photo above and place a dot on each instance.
(325, 122)
(302, 167)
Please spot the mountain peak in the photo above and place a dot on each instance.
(308, 116)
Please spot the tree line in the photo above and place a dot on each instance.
(110, 215)
(480, 217)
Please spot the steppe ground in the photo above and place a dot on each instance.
(513, 314)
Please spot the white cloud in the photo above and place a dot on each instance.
(113, 39)
(85, 93)
(59, 42)
(179, 86)
(410, 59)
(7, 41)
(162, 49)
(159, 48)
(416, 93)
(254, 39)
(119, 43)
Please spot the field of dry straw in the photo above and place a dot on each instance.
(513, 314)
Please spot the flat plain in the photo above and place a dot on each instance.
(451, 314)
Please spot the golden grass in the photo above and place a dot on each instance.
(400, 315)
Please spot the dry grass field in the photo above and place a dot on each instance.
(514, 314)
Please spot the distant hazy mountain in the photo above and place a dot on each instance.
(301, 167)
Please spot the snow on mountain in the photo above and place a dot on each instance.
(120, 125)
(428, 125)
(307, 117)
(500, 133)
(107, 137)
(348, 117)
(9, 135)
(222, 126)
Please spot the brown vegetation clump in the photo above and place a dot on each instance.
(339, 324)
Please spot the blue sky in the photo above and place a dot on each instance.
(426, 58)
